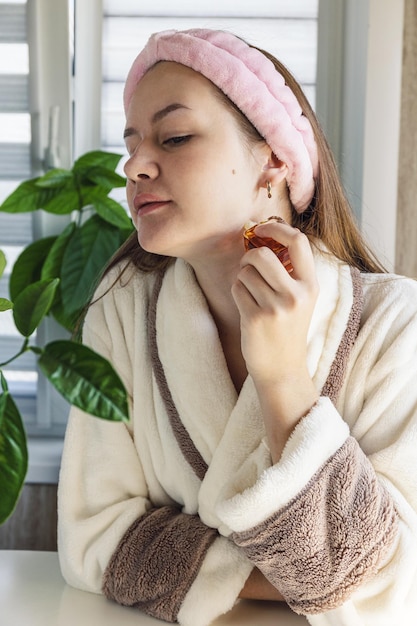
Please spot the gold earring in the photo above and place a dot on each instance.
(269, 188)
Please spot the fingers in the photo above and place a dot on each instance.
(264, 277)
(298, 245)
(245, 301)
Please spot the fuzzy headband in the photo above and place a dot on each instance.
(251, 81)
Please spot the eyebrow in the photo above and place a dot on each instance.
(157, 117)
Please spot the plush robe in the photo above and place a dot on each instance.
(171, 512)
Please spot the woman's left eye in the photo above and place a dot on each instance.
(175, 141)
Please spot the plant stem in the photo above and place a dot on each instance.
(23, 349)
(80, 202)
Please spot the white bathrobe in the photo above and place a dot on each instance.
(183, 501)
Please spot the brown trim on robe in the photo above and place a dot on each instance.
(331, 387)
(330, 539)
(186, 444)
(334, 381)
(157, 561)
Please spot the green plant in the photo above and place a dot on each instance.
(55, 276)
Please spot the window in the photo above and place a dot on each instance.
(35, 66)
(15, 165)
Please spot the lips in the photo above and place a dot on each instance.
(146, 203)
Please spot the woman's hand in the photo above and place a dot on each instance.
(275, 309)
(275, 306)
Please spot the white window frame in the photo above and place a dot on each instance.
(50, 79)
(87, 83)
(360, 48)
(382, 126)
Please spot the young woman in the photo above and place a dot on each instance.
(271, 446)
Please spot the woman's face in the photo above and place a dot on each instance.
(193, 181)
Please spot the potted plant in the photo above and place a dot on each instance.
(55, 276)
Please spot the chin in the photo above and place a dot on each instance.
(153, 248)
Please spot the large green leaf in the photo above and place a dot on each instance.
(28, 266)
(109, 160)
(3, 262)
(27, 197)
(13, 453)
(68, 320)
(87, 253)
(31, 306)
(85, 379)
(5, 304)
(67, 201)
(56, 178)
(110, 210)
(52, 269)
(101, 178)
(52, 264)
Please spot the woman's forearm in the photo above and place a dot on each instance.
(284, 403)
(257, 587)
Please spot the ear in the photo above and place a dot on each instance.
(274, 170)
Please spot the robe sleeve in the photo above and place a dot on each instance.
(157, 560)
(334, 528)
(328, 539)
(113, 538)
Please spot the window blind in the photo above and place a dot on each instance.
(286, 28)
(15, 166)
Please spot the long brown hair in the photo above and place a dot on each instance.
(329, 218)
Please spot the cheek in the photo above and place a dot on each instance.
(130, 194)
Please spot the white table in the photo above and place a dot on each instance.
(33, 593)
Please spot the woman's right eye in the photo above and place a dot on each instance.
(176, 141)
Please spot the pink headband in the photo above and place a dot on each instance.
(251, 81)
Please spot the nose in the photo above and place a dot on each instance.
(141, 165)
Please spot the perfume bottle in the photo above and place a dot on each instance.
(253, 241)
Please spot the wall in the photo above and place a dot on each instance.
(382, 127)
(360, 102)
(33, 523)
(406, 240)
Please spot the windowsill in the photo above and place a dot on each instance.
(44, 460)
